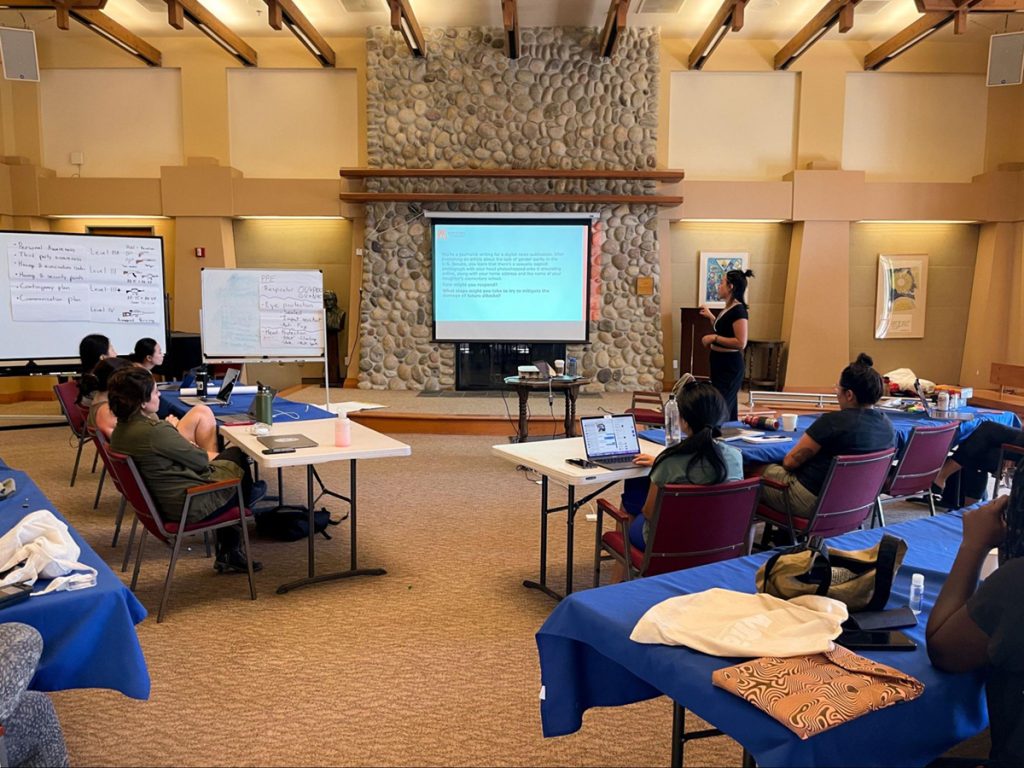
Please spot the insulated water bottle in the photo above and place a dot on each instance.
(263, 405)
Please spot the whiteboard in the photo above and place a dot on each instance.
(262, 313)
(57, 288)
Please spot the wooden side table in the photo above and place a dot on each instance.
(523, 387)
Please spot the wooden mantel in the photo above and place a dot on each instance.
(661, 176)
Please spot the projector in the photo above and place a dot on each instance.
(529, 373)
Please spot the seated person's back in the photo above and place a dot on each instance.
(847, 431)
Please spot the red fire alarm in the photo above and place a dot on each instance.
(200, 253)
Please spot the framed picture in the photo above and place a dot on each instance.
(902, 294)
(713, 266)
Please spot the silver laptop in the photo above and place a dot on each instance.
(223, 396)
(611, 441)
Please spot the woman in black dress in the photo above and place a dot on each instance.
(730, 337)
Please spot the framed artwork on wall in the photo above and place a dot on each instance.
(713, 266)
(902, 295)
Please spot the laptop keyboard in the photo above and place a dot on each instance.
(618, 460)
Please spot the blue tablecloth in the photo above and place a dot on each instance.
(89, 638)
(587, 660)
(284, 410)
(902, 422)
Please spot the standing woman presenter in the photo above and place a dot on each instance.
(730, 337)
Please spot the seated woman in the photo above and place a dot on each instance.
(170, 464)
(147, 354)
(700, 459)
(855, 428)
(92, 349)
(976, 627)
(198, 426)
(976, 456)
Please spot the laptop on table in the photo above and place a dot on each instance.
(611, 441)
(223, 396)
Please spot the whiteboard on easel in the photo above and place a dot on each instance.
(251, 314)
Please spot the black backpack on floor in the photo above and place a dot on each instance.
(293, 524)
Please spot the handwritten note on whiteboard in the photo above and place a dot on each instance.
(262, 313)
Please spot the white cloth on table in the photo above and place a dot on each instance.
(41, 547)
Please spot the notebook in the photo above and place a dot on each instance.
(611, 441)
(223, 396)
(287, 441)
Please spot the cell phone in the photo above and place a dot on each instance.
(268, 451)
(858, 640)
(581, 463)
(14, 593)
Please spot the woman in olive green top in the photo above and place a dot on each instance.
(170, 464)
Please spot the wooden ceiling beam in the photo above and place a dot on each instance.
(913, 34)
(403, 21)
(123, 38)
(833, 12)
(286, 13)
(178, 11)
(982, 6)
(614, 25)
(728, 18)
(510, 20)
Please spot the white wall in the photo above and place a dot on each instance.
(127, 122)
(915, 127)
(292, 123)
(733, 125)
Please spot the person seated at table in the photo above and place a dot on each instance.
(976, 456)
(147, 354)
(170, 464)
(198, 426)
(976, 627)
(92, 349)
(857, 427)
(702, 458)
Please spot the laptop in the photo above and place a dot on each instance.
(223, 396)
(241, 419)
(611, 441)
(287, 441)
(545, 370)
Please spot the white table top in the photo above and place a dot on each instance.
(548, 458)
(366, 444)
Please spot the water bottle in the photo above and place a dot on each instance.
(202, 378)
(263, 405)
(342, 431)
(673, 434)
(916, 592)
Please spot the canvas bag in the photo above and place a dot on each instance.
(41, 547)
(721, 622)
(862, 579)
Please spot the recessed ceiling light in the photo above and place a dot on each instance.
(659, 6)
(363, 6)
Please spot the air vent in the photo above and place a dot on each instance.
(363, 6)
(868, 7)
(154, 6)
(659, 6)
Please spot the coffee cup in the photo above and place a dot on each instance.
(789, 422)
(560, 367)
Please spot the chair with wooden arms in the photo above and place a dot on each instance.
(66, 394)
(648, 409)
(691, 525)
(172, 532)
(916, 469)
(847, 497)
(1008, 452)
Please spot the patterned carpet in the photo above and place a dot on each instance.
(433, 664)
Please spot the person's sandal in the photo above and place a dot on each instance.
(234, 562)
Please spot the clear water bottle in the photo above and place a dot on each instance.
(916, 592)
(673, 434)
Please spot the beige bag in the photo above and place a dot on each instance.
(862, 579)
(721, 622)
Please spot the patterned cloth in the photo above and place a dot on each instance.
(810, 694)
(33, 734)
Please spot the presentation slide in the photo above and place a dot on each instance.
(519, 280)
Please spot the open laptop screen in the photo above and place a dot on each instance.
(607, 436)
(228, 384)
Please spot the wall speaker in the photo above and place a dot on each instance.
(1006, 59)
(18, 51)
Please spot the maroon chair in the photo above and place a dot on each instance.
(172, 532)
(847, 498)
(1007, 452)
(916, 469)
(103, 449)
(648, 409)
(67, 394)
(691, 525)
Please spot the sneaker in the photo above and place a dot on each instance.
(234, 562)
(259, 490)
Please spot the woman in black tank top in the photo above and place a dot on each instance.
(729, 339)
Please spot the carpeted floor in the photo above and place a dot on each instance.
(433, 664)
